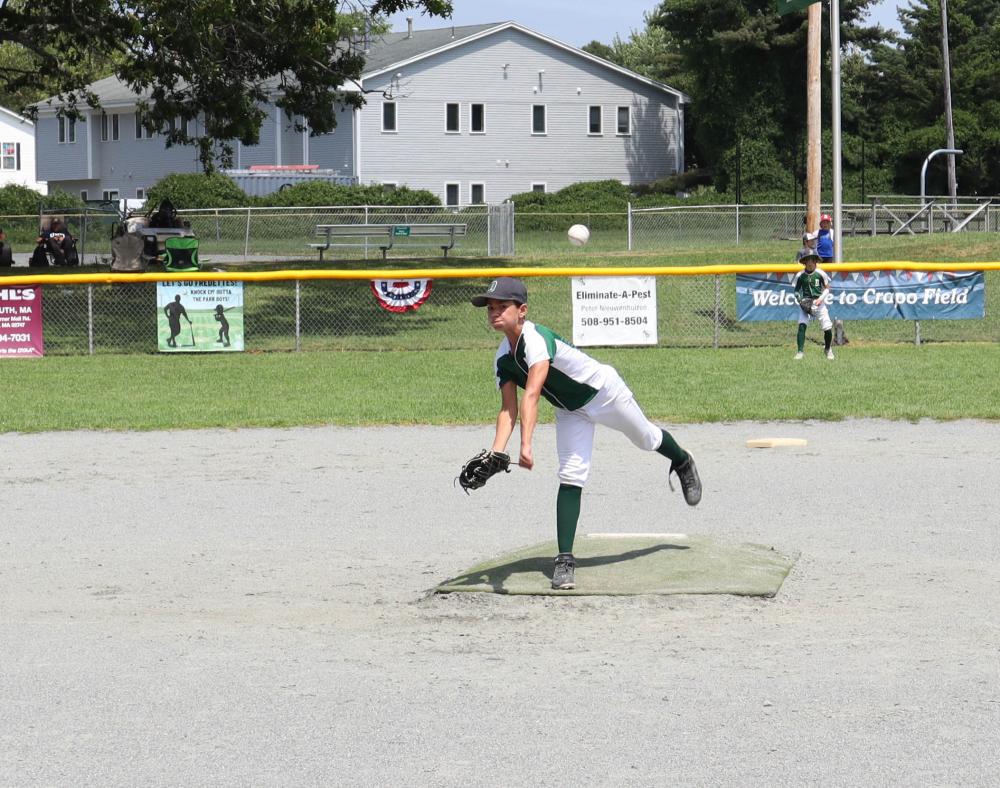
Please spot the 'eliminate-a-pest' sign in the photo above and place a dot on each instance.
(787, 6)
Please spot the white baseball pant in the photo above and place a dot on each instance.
(820, 312)
(613, 406)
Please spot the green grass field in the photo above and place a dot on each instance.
(948, 381)
(433, 366)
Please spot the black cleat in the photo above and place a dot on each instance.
(690, 481)
(562, 575)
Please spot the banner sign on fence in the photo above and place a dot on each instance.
(401, 295)
(195, 317)
(614, 310)
(870, 295)
(21, 322)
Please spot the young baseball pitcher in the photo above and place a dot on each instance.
(812, 292)
(583, 391)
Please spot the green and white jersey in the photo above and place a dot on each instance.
(811, 285)
(574, 377)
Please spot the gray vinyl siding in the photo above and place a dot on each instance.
(291, 141)
(265, 151)
(335, 151)
(127, 164)
(508, 158)
(57, 161)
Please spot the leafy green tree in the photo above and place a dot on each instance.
(746, 67)
(905, 91)
(198, 190)
(217, 61)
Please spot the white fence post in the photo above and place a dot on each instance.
(298, 315)
(718, 311)
(629, 240)
(90, 319)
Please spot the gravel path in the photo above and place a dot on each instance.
(247, 607)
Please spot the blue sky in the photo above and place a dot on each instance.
(576, 22)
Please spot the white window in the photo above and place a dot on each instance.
(10, 155)
(185, 126)
(538, 187)
(110, 195)
(389, 186)
(477, 118)
(594, 121)
(624, 121)
(140, 194)
(141, 132)
(452, 124)
(67, 130)
(477, 193)
(109, 127)
(451, 194)
(388, 116)
(538, 119)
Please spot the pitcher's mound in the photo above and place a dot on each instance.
(624, 564)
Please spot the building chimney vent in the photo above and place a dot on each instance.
(409, 27)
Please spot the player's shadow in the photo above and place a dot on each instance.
(496, 577)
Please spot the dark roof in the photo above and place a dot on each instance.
(396, 47)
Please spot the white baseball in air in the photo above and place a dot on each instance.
(578, 235)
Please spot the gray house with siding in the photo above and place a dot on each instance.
(472, 114)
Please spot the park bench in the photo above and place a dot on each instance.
(385, 236)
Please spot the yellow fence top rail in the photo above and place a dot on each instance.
(478, 273)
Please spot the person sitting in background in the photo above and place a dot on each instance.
(58, 242)
(6, 257)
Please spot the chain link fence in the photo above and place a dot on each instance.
(651, 229)
(306, 315)
(250, 235)
(286, 233)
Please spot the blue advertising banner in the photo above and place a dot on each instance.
(870, 295)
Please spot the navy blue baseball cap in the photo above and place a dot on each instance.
(503, 288)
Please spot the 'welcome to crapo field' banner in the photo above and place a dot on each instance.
(870, 295)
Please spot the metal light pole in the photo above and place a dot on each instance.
(837, 171)
(923, 170)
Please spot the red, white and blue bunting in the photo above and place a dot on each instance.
(401, 295)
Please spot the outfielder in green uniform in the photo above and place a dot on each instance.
(583, 391)
(812, 293)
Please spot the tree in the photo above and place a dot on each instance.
(746, 67)
(907, 102)
(213, 60)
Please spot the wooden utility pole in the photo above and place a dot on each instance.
(814, 159)
(949, 123)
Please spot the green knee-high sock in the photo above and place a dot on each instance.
(801, 338)
(827, 338)
(567, 515)
(670, 449)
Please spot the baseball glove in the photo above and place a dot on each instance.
(477, 471)
(807, 304)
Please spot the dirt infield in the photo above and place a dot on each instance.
(247, 607)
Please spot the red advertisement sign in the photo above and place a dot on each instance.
(20, 321)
